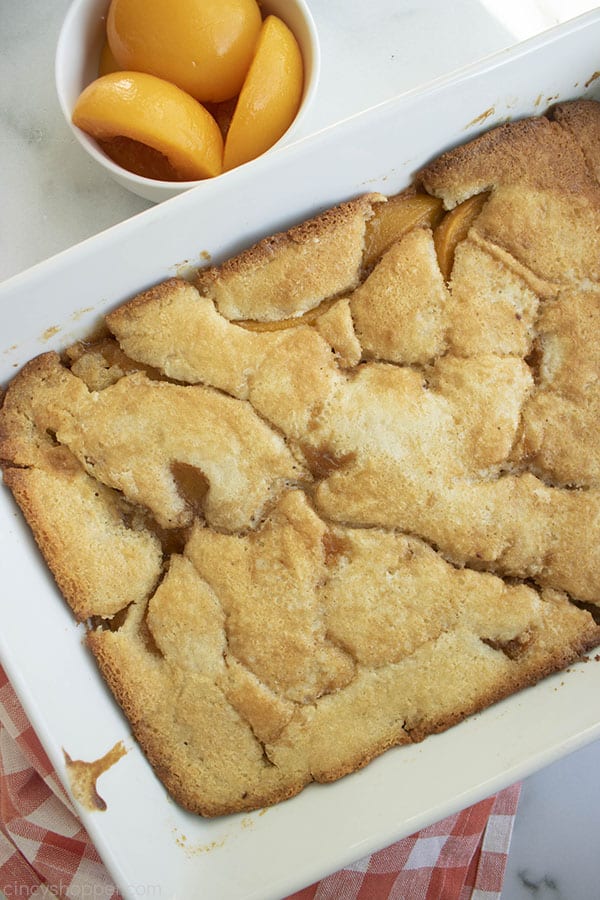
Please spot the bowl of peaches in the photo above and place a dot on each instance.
(165, 94)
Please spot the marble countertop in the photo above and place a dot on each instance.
(53, 196)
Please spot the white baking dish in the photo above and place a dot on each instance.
(152, 847)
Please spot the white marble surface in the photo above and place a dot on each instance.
(51, 196)
(555, 850)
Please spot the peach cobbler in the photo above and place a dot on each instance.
(342, 490)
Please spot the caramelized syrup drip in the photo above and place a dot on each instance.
(334, 546)
(83, 776)
(322, 461)
(192, 485)
(513, 648)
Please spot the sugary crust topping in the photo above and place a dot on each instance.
(322, 502)
(69, 511)
(537, 153)
(544, 197)
(580, 119)
(400, 310)
(291, 272)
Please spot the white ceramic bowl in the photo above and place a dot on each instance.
(76, 65)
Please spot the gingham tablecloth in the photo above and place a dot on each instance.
(45, 851)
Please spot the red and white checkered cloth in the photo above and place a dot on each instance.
(45, 851)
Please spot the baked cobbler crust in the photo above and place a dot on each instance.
(313, 508)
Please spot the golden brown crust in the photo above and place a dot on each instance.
(307, 538)
(535, 152)
(580, 119)
(540, 184)
(291, 272)
(400, 311)
(471, 640)
(100, 563)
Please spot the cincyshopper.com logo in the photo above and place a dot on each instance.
(77, 891)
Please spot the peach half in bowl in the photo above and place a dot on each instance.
(164, 169)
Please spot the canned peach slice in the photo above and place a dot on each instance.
(453, 229)
(154, 112)
(270, 95)
(393, 219)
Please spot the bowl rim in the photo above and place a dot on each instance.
(90, 145)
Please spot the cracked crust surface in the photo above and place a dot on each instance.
(292, 271)
(316, 506)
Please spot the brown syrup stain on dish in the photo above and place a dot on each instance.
(206, 848)
(186, 269)
(182, 841)
(77, 315)
(49, 332)
(83, 776)
(591, 79)
(482, 117)
(191, 848)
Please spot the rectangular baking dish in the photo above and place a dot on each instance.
(151, 846)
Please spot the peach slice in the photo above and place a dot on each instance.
(139, 158)
(453, 229)
(203, 46)
(307, 318)
(270, 96)
(395, 218)
(153, 112)
(107, 63)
